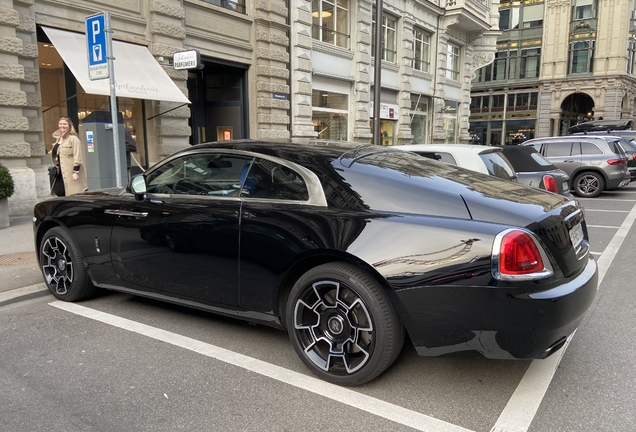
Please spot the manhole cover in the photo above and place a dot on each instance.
(15, 259)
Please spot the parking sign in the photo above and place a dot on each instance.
(96, 47)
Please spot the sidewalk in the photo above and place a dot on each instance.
(20, 276)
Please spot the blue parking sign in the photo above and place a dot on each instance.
(96, 46)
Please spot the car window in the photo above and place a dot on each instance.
(616, 148)
(497, 165)
(588, 148)
(200, 174)
(540, 159)
(269, 180)
(558, 149)
(440, 156)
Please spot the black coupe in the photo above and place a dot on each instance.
(348, 247)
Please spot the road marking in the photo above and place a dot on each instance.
(524, 403)
(606, 199)
(20, 292)
(344, 395)
(602, 226)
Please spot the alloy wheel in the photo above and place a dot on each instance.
(57, 265)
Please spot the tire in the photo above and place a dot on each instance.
(589, 184)
(63, 267)
(349, 341)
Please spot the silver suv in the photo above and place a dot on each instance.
(593, 163)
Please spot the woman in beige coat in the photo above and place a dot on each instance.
(68, 156)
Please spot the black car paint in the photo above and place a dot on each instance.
(432, 256)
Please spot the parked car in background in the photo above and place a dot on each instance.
(593, 163)
(483, 159)
(628, 144)
(350, 248)
(532, 169)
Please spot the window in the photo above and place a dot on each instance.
(583, 9)
(269, 180)
(509, 17)
(498, 102)
(330, 114)
(631, 57)
(421, 48)
(588, 148)
(330, 21)
(533, 16)
(497, 165)
(203, 174)
(558, 149)
(581, 56)
(389, 38)
(452, 62)
(234, 5)
(530, 63)
(419, 118)
(499, 66)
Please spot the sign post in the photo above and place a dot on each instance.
(100, 66)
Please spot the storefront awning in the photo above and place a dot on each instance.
(137, 73)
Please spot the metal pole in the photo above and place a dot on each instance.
(113, 96)
(377, 76)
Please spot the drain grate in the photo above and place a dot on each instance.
(16, 259)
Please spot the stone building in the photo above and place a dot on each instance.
(558, 63)
(270, 69)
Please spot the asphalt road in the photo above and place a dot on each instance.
(121, 363)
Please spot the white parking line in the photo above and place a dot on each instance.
(602, 226)
(524, 403)
(20, 292)
(344, 395)
(606, 211)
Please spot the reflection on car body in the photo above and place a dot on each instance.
(350, 248)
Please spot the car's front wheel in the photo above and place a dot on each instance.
(342, 325)
(589, 184)
(62, 266)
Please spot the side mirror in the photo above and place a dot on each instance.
(138, 186)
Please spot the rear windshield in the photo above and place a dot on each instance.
(527, 159)
(617, 148)
(497, 165)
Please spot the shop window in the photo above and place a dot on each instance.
(330, 21)
(330, 114)
(419, 118)
(389, 37)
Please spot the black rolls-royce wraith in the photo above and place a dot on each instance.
(350, 248)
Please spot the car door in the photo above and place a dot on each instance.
(182, 239)
(565, 155)
(280, 221)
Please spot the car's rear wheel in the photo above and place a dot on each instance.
(589, 184)
(342, 325)
(62, 266)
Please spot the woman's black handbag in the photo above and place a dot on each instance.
(57, 182)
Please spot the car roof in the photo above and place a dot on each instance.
(522, 160)
(451, 148)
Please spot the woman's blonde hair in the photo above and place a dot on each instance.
(71, 128)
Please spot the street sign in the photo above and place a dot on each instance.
(96, 47)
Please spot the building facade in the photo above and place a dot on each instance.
(270, 69)
(558, 63)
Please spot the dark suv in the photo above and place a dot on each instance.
(593, 163)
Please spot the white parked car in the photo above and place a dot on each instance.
(483, 159)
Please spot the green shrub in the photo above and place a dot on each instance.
(6, 183)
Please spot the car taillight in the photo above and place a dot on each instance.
(518, 256)
(617, 161)
(550, 184)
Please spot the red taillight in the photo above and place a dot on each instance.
(617, 161)
(550, 184)
(519, 255)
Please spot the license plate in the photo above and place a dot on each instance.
(576, 235)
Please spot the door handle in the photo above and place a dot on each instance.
(569, 160)
(126, 213)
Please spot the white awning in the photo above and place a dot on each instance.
(137, 73)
